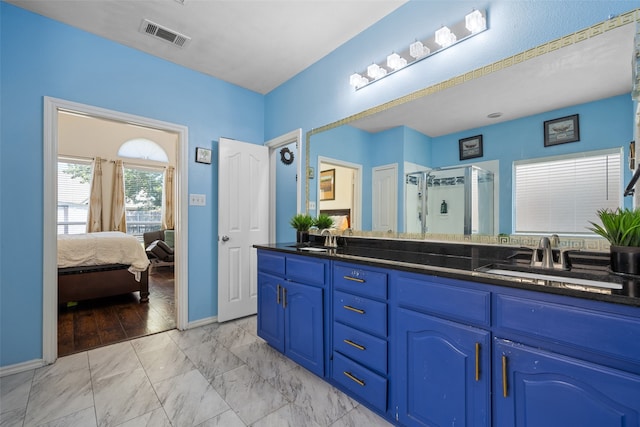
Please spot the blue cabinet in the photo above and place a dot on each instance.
(360, 333)
(291, 313)
(536, 388)
(444, 374)
(270, 310)
(424, 350)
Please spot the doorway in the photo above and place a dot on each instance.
(51, 144)
(346, 197)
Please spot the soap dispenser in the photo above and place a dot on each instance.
(443, 207)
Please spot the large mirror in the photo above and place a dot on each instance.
(367, 166)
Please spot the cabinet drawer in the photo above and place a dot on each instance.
(306, 269)
(607, 334)
(360, 281)
(361, 347)
(421, 294)
(271, 262)
(362, 313)
(362, 382)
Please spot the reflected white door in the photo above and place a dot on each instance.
(384, 215)
(243, 220)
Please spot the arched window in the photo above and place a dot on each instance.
(143, 185)
(141, 148)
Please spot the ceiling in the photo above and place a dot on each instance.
(593, 69)
(233, 40)
(255, 44)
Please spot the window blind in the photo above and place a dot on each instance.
(74, 187)
(561, 195)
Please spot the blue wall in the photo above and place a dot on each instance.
(603, 124)
(41, 57)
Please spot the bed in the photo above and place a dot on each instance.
(341, 217)
(97, 265)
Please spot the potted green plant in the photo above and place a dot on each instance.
(302, 223)
(323, 221)
(622, 229)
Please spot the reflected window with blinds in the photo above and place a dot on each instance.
(562, 194)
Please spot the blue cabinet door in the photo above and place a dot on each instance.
(443, 372)
(270, 311)
(534, 388)
(303, 326)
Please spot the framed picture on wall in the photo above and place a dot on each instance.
(561, 131)
(470, 147)
(203, 155)
(328, 185)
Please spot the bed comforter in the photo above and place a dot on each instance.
(101, 248)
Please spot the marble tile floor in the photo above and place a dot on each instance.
(214, 375)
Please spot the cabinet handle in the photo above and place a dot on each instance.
(504, 376)
(477, 361)
(284, 297)
(353, 378)
(351, 343)
(357, 310)
(354, 279)
(278, 294)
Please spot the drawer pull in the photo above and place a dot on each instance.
(284, 297)
(357, 310)
(278, 294)
(477, 361)
(504, 376)
(353, 279)
(351, 343)
(353, 378)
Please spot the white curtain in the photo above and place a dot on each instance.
(94, 219)
(118, 218)
(167, 199)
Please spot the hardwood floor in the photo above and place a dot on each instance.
(99, 322)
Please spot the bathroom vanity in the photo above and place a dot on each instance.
(423, 335)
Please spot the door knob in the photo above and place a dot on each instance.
(225, 238)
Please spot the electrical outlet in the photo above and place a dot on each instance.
(197, 199)
(312, 206)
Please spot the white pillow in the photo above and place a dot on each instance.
(340, 222)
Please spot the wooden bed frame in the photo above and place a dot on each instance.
(88, 282)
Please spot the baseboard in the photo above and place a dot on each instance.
(21, 367)
(202, 322)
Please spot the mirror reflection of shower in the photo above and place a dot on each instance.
(456, 200)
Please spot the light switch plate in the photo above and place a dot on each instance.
(197, 199)
(312, 206)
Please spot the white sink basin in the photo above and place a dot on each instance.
(561, 279)
(313, 249)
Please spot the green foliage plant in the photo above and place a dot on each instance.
(620, 227)
(301, 222)
(323, 221)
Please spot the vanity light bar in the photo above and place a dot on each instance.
(445, 37)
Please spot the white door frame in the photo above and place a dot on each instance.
(50, 198)
(274, 144)
(356, 212)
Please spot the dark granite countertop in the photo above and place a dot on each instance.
(471, 261)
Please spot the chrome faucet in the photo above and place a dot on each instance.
(547, 261)
(347, 231)
(330, 240)
(547, 253)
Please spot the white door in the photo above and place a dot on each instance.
(243, 220)
(384, 215)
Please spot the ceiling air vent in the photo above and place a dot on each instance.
(164, 33)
